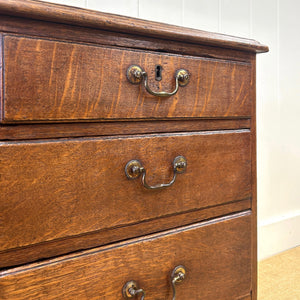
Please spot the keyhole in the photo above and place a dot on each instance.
(158, 70)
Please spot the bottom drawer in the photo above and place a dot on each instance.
(216, 255)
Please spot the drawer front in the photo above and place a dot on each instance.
(48, 80)
(56, 189)
(216, 255)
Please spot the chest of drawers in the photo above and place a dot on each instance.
(127, 158)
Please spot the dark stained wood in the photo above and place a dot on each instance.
(57, 247)
(60, 188)
(70, 121)
(216, 254)
(42, 131)
(1, 77)
(73, 33)
(66, 84)
(87, 18)
(247, 297)
(254, 180)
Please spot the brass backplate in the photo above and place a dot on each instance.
(180, 164)
(128, 285)
(183, 77)
(177, 270)
(132, 169)
(135, 74)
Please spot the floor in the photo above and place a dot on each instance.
(279, 276)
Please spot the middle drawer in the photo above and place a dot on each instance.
(60, 188)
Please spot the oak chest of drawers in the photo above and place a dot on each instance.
(127, 158)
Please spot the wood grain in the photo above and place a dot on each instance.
(248, 297)
(58, 31)
(92, 19)
(216, 255)
(18, 256)
(70, 121)
(254, 179)
(55, 189)
(42, 131)
(67, 85)
(1, 77)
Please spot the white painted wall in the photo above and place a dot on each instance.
(275, 23)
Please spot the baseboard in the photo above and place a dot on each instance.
(278, 234)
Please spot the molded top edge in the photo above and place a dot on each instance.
(88, 18)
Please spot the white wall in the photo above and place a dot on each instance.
(275, 23)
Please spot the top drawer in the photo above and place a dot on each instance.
(47, 80)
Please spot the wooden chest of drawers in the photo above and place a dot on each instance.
(127, 158)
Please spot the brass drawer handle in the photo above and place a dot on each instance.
(135, 75)
(131, 289)
(134, 169)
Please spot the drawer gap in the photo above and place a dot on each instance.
(42, 251)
